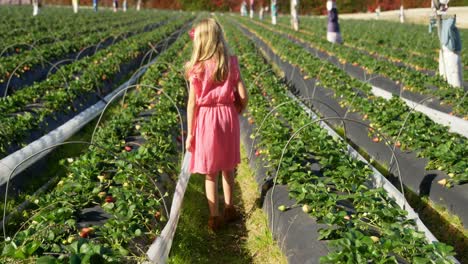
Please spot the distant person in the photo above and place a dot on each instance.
(217, 95)
(252, 3)
(295, 14)
(274, 12)
(244, 9)
(95, 5)
(115, 4)
(333, 27)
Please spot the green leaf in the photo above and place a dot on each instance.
(419, 260)
(31, 248)
(108, 206)
(85, 248)
(122, 251)
(50, 235)
(46, 260)
(9, 249)
(75, 259)
(138, 232)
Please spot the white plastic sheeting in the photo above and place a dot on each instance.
(159, 250)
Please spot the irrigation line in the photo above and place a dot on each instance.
(109, 152)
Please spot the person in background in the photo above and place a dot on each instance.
(95, 5)
(115, 4)
(274, 12)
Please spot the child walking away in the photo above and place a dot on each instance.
(217, 95)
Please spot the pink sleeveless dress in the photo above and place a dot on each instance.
(216, 130)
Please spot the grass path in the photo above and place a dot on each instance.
(247, 241)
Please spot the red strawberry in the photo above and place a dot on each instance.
(257, 153)
(85, 231)
(110, 199)
(157, 215)
(128, 148)
(376, 140)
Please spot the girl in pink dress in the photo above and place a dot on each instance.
(213, 135)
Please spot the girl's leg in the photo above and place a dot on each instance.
(230, 213)
(228, 187)
(211, 188)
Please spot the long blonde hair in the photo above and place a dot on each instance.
(209, 43)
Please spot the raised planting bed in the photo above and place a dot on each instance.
(114, 200)
(407, 129)
(395, 79)
(413, 46)
(39, 63)
(59, 100)
(362, 222)
(326, 104)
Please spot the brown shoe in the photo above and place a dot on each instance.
(230, 214)
(215, 223)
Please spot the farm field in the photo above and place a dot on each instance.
(93, 125)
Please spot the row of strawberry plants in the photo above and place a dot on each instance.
(445, 151)
(57, 95)
(17, 20)
(51, 28)
(37, 57)
(370, 44)
(365, 225)
(114, 176)
(375, 41)
(414, 46)
(412, 39)
(411, 80)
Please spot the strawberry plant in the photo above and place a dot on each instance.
(410, 79)
(428, 139)
(119, 183)
(55, 93)
(337, 195)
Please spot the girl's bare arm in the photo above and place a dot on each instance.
(190, 116)
(244, 96)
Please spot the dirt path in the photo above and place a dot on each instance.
(247, 241)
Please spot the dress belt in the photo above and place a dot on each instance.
(216, 104)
